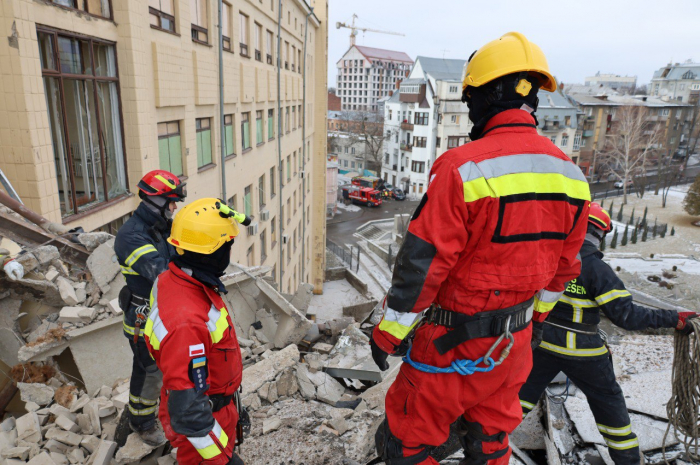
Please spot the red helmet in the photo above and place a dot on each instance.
(599, 218)
(161, 183)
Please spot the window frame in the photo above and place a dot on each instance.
(168, 136)
(257, 38)
(233, 135)
(160, 15)
(259, 128)
(270, 47)
(245, 118)
(86, 9)
(58, 74)
(244, 19)
(197, 28)
(270, 124)
(227, 17)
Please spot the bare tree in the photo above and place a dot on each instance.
(367, 129)
(630, 144)
(668, 173)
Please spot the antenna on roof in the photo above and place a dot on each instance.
(443, 53)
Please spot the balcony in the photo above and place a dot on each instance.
(406, 147)
(587, 134)
(405, 126)
(550, 126)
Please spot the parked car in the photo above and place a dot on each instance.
(399, 194)
(619, 184)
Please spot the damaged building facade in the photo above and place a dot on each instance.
(98, 93)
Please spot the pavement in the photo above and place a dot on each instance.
(341, 228)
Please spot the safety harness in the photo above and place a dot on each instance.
(497, 323)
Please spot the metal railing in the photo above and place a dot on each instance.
(347, 256)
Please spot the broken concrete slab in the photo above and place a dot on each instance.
(103, 264)
(302, 298)
(328, 390)
(306, 387)
(271, 424)
(10, 343)
(113, 306)
(93, 240)
(121, 400)
(287, 384)
(66, 437)
(76, 315)
(530, 434)
(28, 428)
(292, 324)
(91, 443)
(38, 393)
(134, 450)
(67, 291)
(256, 375)
(45, 254)
(42, 459)
(647, 392)
(66, 424)
(104, 453)
(38, 290)
(28, 261)
(41, 330)
(51, 274)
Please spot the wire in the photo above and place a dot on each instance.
(683, 409)
(561, 397)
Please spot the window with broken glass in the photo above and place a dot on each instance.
(82, 93)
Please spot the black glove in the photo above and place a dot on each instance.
(379, 356)
(537, 331)
(236, 460)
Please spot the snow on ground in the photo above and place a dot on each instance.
(336, 295)
(349, 207)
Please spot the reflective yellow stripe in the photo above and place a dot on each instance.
(521, 183)
(624, 431)
(543, 307)
(206, 446)
(399, 324)
(622, 445)
(142, 412)
(138, 253)
(155, 330)
(128, 270)
(570, 335)
(574, 352)
(141, 400)
(612, 295)
(217, 323)
(165, 181)
(604, 222)
(526, 405)
(583, 303)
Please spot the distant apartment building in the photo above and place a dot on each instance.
(104, 91)
(598, 120)
(625, 84)
(366, 74)
(426, 118)
(679, 81)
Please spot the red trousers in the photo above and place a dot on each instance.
(186, 453)
(420, 407)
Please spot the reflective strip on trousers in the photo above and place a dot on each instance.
(206, 446)
(622, 445)
(623, 431)
(142, 412)
(141, 400)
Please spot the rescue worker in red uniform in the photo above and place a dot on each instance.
(493, 240)
(572, 343)
(191, 336)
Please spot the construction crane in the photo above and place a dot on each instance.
(354, 29)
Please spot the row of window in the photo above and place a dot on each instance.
(352, 164)
(100, 8)
(162, 14)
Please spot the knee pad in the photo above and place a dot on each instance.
(472, 438)
(152, 383)
(390, 449)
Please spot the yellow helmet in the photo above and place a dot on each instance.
(512, 53)
(199, 227)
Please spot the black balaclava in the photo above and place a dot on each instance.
(499, 95)
(595, 235)
(207, 268)
(158, 204)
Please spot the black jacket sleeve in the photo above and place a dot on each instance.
(617, 304)
(138, 255)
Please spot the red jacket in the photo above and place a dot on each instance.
(190, 334)
(502, 220)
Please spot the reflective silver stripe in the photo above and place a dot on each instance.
(214, 315)
(158, 325)
(206, 441)
(513, 164)
(141, 400)
(624, 431)
(622, 445)
(582, 303)
(549, 296)
(142, 412)
(404, 319)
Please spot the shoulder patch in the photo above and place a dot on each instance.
(199, 373)
(196, 350)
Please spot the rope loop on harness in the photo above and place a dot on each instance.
(463, 367)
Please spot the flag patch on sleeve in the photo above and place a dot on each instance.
(196, 350)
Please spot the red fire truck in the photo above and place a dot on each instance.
(365, 196)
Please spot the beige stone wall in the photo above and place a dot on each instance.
(168, 77)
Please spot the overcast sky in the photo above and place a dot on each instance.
(578, 37)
